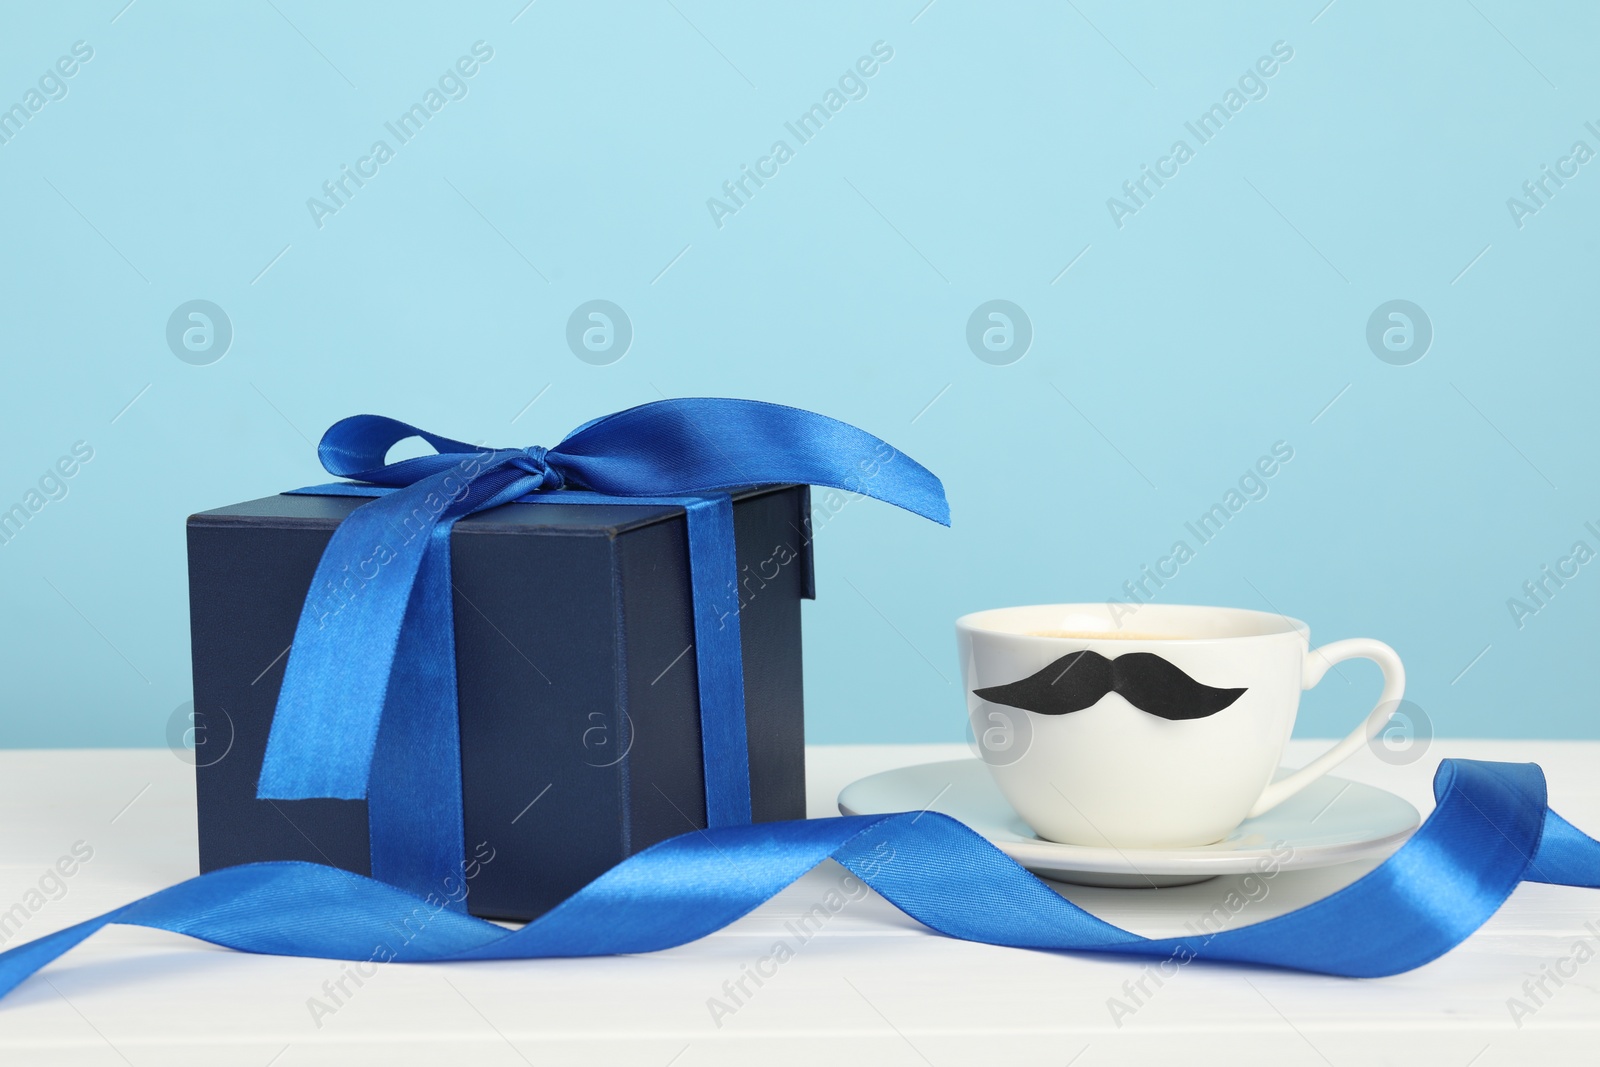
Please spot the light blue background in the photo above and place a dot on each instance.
(1223, 317)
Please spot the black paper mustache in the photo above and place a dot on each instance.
(1079, 679)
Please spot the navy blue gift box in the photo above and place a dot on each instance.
(579, 710)
(486, 676)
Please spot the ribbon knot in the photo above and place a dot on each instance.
(533, 460)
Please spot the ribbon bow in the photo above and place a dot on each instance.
(368, 702)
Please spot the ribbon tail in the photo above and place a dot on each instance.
(325, 728)
(414, 795)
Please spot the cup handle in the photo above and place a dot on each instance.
(1317, 662)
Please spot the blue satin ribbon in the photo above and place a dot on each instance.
(1490, 830)
(368, 702)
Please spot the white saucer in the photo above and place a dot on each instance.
(1331, 821)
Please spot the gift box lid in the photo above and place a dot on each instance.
(330, 511)
(610, 520)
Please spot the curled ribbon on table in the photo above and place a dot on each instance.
(368, 707)
(1491, 829)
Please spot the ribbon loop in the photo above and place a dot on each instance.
(358, 447)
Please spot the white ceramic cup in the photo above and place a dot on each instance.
(1110, 774)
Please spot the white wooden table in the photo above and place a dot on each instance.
(871, 987)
